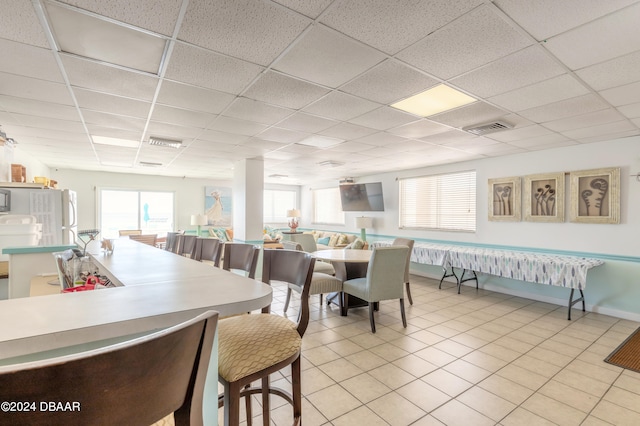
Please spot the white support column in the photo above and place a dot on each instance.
(248, 194)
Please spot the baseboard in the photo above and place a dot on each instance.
(632, 316)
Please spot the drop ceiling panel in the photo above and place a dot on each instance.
(521, 133)
(237, 126)
(279, 89)
(276, 134)
(371, 21)
(601, 130)
(314, 55)
(38, 108)
(384, 118)
(35, 135)
(347, 131)
(102, 78)
(616, 72)
(600, 40)
(306, 123)
(631, 111)
(249, 109)
(352, 146)
(310, 8)
(622, 95)
(517, 70)
(586, 120)
(448, 137)
(419, 129)
(545, 92)
(194, 98)
(469, 115)
(98, 130)
(381, 139)
(256, 31)
(542, 141)
(341, 106)
(183, 117)
(565, 108)
(29, 61)
(19, 22)
(51, 123)
(114, 121)
(388, 82)
(193, 65)
(104, 102)
(475, 39)
(171, 131)
(223, 137)
(31, 88)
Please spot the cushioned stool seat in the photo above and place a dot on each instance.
(325, 268)
(320, 284)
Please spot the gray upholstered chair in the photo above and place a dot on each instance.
(184, 244)
(171, 240)
(308, 244)
(140, 381)
(408, 243)
(251, 347)
(208, 250)
(241, 257)
(384, 280)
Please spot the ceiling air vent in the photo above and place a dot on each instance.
(487, 128)
(172, 143)
(331, 163)
(149, 164)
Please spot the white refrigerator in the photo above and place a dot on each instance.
(55, 209)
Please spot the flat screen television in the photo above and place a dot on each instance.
(362, 197)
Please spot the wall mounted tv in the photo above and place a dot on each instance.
(362, 197)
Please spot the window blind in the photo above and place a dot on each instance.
(439, 202)
(276, 204)
(327, 207)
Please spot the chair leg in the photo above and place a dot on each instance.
(296, 388)
(409, 293)
(345, 303)
(247, 405)
(286, 302)
(266, 410)
(340, 304)
(404, 317)
(371, 320)
(320, 299)
(232, 403)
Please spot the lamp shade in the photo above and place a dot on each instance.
(364, 222)
(198, 219)
(293, 213)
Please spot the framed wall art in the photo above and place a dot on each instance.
(504, 199)
(217, 204)
(544, 197)
(595, 196)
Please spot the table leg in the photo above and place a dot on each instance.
(462, 279)
(573, 302)
(445, 275)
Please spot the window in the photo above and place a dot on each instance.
(150, 211)
(276, 204)
(441, 202)
(327, 207)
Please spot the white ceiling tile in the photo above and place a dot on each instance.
(347, 131)
(263, 144)
(381, 139)
(223, 137)
(249, 109)
(469, 115)
(279, 89)
(419, 129)
(282, 135)
(171, 131)
(600, 40)
(29, 61)
(475, 39)
(114, 121)
(36, 134)
(306, 123)
(51, 123)
(193, 65)
(616, 72)
(545, 140)
(104, 102)
(255, 31)
(351, 146)
(546, 18)
(609, 135)
(38, 108)
(31, 88)
(623, 95)
(555, 89)
(602, 130)
(313, 57)
(449, 137)
(566, 108)
(194, 98)
(518, 134)
(384, 118)
(631, 110)
(118, 133)
(519, 69)
(341, 106)
(183, 117)
(371, 21)
(310, 8)
(19, 22)
(586, 120)
(388, 82)
(237, 126)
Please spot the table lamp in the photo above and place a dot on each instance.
(199, 220)
(363, 222)
(293, 216)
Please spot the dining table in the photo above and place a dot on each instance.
(348, 264)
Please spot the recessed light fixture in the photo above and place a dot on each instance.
(320, 141)
(104, 140)
(433, 101)
(331, 163)
(172, 143)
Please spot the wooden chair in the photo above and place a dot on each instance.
(185, 244)
(207, 250)
(384, 281)
(127, 232)
(251, 347)
(408, 243)
(149, 239)
(171, 240)
(241, 256)
(136, 382)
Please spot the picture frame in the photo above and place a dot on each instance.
(595, 195)
(218, 206)
(544, 196)
(504, 199)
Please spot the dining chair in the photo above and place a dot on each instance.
(127, 232)
(241, 256)
(409, 243)
(170, 244)
(384, 281)
(208, 250)
(149, 239)
(185, 244)
(140, 381)
(321, 283)
(308, 244)
(251, 347)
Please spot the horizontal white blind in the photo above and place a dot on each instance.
(327, 207)
(442, 202)
(276, 204)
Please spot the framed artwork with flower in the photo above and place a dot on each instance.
(595, 195)
(544, 197)
(504, 199)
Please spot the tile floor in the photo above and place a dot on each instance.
(476, 358)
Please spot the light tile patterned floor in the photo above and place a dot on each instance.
(478, 358)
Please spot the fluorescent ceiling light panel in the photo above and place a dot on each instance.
(320, 141)
(126, 143)
(433, 101)
(94, 38)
